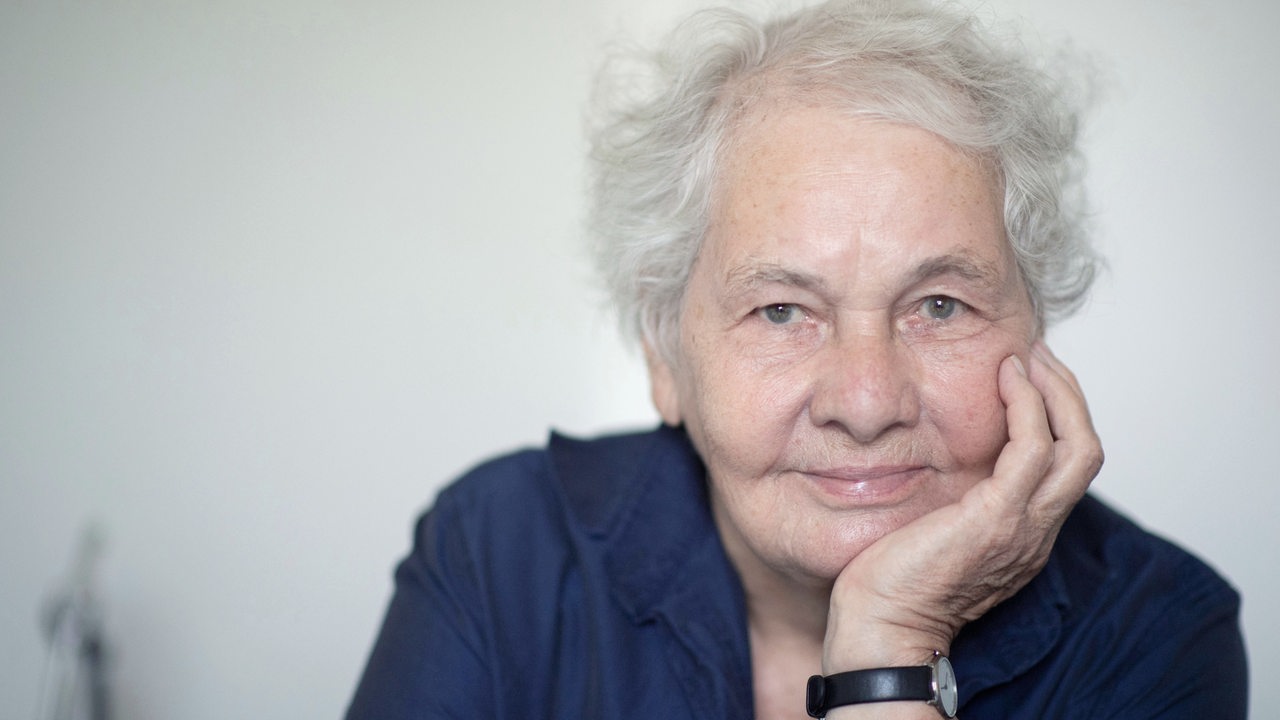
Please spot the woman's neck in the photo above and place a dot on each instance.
(779, 604)
(786, 625)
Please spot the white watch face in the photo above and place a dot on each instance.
(945, 679)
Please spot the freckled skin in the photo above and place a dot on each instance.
(848, 229)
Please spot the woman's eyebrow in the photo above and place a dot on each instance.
(747, 277)
(964, 266)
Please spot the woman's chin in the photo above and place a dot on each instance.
(833, 548)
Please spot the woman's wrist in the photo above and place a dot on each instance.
(865, 645)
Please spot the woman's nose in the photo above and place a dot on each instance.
(866, 385)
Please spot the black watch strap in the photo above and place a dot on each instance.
(864, 686)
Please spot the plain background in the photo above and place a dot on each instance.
(271, 272)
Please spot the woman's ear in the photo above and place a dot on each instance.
(662, 386)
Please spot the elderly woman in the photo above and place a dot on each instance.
(839, 237)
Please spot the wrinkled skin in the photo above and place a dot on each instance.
(890, 448)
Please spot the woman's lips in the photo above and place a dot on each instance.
(868, 486)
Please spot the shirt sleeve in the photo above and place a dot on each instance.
(427, 661)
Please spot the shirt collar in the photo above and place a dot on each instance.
(644, 497)
(645, 501)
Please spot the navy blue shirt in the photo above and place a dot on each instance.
(587, 580)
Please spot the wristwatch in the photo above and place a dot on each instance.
(934, 683)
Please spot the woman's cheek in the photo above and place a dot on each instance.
(962, 399)
(755, 417)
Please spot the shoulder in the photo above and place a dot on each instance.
(496, 586)
(1121, 624)
(1107, 558)
(514, 521)
(1149, 613)
(592, 480)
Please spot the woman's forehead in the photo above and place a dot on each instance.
(813, 186)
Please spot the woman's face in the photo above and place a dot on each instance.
(840, 336)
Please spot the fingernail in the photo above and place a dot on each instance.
(1017, 362)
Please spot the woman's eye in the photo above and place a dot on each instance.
(940, 307)
(781, 313)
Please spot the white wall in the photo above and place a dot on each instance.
(272, 272)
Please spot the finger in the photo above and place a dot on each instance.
(1028, 455)
(1077, 449)
(1042, 351)
(1064, 402)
